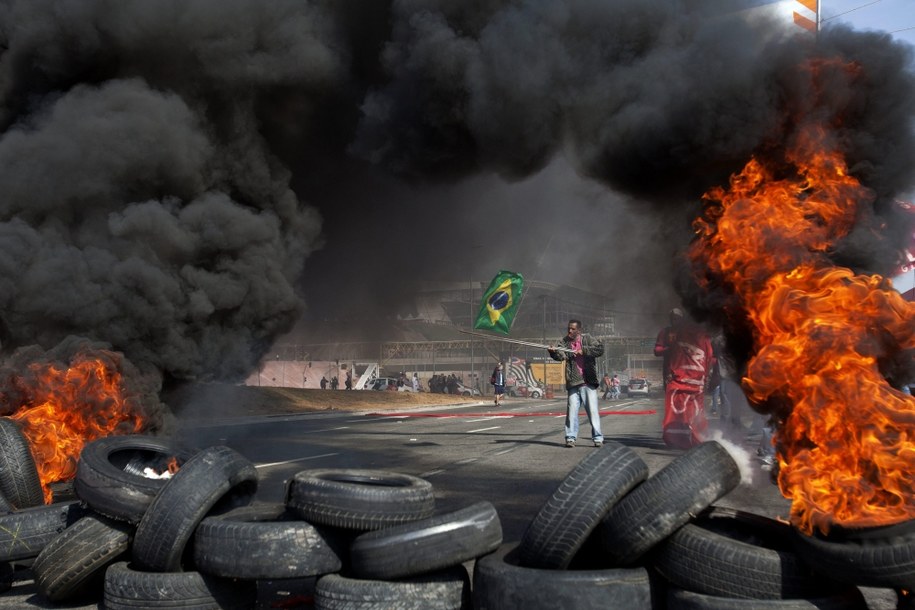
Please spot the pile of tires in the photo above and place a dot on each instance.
(196, 539)
(610, 535)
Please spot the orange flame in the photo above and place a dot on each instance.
(173, 465)
(70, 407)
(845, 439)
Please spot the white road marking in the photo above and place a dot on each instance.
(432, 472)
(483, 429)
(304, 459)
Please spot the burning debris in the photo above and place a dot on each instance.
(69, 397)
(821, 334)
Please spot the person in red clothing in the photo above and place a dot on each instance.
(688, 358)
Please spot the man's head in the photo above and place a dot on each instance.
(498, 365)
(676, 316)
(574, 328)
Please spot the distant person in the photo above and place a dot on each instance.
(415, 383)
(323, 382)
(605, 386)
(615, 387)
(714, 385)
(498, 383)
(334, 383)
(581, 380)
(348, 382)
(688, 358)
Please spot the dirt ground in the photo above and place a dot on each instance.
(214, 399)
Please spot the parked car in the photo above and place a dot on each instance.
(466, 391)
(525, 391)
(638, 387)
(382, 383)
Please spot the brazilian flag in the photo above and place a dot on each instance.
(500, 302)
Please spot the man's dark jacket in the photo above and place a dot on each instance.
(591, 349)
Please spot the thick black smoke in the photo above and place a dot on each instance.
(181, 179)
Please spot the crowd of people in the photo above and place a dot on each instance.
(444, 384)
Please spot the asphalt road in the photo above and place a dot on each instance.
(513, 456)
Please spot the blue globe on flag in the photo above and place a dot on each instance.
(499, 300)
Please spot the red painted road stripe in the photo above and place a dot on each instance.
(649, 412)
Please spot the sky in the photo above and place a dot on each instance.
(896, 17)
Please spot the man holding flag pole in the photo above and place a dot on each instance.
(579, 355)
(579, 351)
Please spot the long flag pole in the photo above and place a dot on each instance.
(517, 341)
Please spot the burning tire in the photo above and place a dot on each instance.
(662, 504)
(678, 599)
(110, 476)
(444, 590)
(569, 516)
(73, 563)
(427, 545)
(19, 481)
(735, 554)
(873, 557)
(499, 582)
(263, 542)
(359, 499)
(214, 475)
(24, 533)
(128, 589)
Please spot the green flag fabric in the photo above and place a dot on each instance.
(500, 302)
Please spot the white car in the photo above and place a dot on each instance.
(382, 383)
(465, 391)
(530, 391)
(638, 387)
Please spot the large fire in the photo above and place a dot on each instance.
(70, 406)
(846, 438)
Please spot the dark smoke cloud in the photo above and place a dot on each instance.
(141, 205)
(182, 179)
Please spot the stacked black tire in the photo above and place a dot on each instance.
(367, 538)
(609, 536)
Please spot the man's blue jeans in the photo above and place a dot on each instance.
(583, 396)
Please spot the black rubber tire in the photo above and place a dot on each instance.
(129, 589)
(19, 481)
(568, 517)
(109, 476)
(499, 583)
(678, 599)
(73, 563)
(427, 545)
(867, 562)
(5, 506)
(665, 502)
(444, 590)
(359, 499)
(732, 553)
(7, 573)
(264, 541)
(24, 533)
(214, 475)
